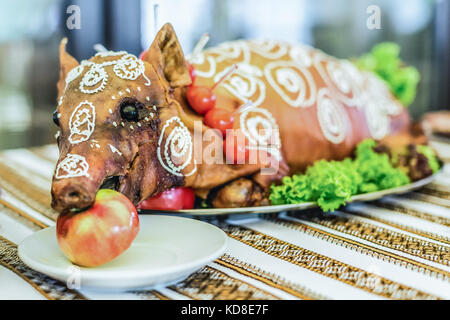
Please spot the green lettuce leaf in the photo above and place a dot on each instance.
(376, 169)
(332, 183)
(384, 60)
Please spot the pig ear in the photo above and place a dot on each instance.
(66, 63)
(166, 56)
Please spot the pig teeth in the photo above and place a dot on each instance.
(154, 108)
(139, 88)
(123, 124)
(110, 111)
(139, 124)
(113, 97)
(151, 114)
(128, 90)
(120, 93)
(146, 119)
(115, 124)
(131, 127)
(147, 98)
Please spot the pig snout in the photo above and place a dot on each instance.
(67, 195)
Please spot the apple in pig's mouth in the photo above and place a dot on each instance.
(100, 233)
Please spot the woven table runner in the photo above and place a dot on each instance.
(394, 248)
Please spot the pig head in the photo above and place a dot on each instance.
(124, 124)
(109, 118)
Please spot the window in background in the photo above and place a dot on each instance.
(27, 75)
(30, 32)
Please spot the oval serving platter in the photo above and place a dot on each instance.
(301, 206)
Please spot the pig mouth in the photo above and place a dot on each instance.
(112, 183)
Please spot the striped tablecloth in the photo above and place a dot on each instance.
(395, 248)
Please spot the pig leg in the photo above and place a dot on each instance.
(248, 192)
(242, 192)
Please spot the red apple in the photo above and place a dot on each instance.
(101, 233)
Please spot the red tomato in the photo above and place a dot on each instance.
(219, 119)
(201, 99)
(235, 148)
(142, 55)
(177, 198)
(191, 71)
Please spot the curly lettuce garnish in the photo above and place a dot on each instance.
(376, 169)
(332, 183)
(384, 60)
(295, 189)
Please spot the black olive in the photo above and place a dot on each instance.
(56, 118)
(129, 111)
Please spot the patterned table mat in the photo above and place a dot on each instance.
(394, 248)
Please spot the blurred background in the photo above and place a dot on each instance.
(30, 32)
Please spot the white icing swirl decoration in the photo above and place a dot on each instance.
(379, 106)
(332, 117)
(293, 83)
(202, 69)
(292, 79)
(261, 130)
(176, 153)
(82, 122)
(244, 83)
(94, 80)
(74, 73)
(72, 166)
(342, 77)
(238, 51)
(105, 54)
(339, 77)
(300, 54)
(206, 62)
(269, 49)
(127, 67)
(377, 120)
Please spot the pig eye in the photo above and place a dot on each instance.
(129, 111)
(55, 118)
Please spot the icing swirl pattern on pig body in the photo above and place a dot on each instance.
(320, 103)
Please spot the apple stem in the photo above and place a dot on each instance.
(232, 69)
(200, 45)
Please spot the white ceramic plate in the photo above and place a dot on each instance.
(301, 206)
(166, 250)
